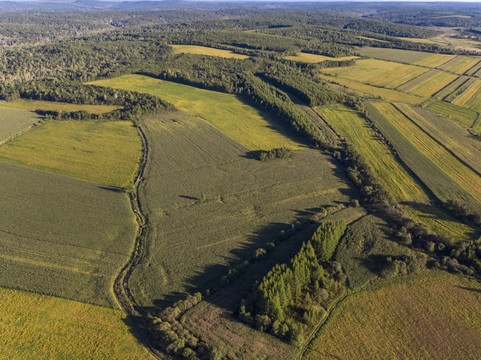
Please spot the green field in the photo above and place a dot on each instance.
(451, 111)
(377, 72)
(36, 326)
(62, 236)
(389, 171)
(448, 163)
(246, 204)
(433, 84)
(204, 50)
(373, 91)
(14, 121)
(428, 316)
(434, 60)
(314, 58)
(252, 128)
(404, 56)
(101, 152)
(32, 105)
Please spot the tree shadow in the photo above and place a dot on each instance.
(469, 289)
(115, 189)
(189, 197)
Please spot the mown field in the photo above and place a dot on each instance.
(209, 203)
(314, 58)
(101, 152)
(32, 105)
(373, 91)
(463, 64)
(14, 121)
(465, 97)
(252, 128)
(428, 316)
(62, 236)
(377, 72)
(204, 50)
(433, 84)
(452, 166)
(35, 326)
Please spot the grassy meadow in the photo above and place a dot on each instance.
(253, 128)
(14, 121)
(204, 50)
(246, 203)
(427, 316)
(35, 326)
(377, 72)
(314, 58)
(451, 111)
(32, 105)
(403, 56)
(101, 152)
(62, 236)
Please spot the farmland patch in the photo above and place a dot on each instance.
(32, 105)
(204, 50)
(14, 121)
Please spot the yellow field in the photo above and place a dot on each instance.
(252, 128)
(102, 152)
(435, 60)
(464, 65)
(418, 40)
(204, 50)
(377, 72)
(389, 171)
(428, 316)
(459, 172)
(314, 58)
(34, 326)
(433, 84)
(462, 99)
(386, 94)
(32, 105)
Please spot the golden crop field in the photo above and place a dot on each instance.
(32, 105)
(391, 173)
(474, 95)
(434, 60)
(433, 315)
(433, 84)
(314, 58)
(377, 72)
(459, 172)
(102, 152)
(36, 326)
(473, 88)
(204, 50)
(386, 94)
(252, 128)
(463, 65)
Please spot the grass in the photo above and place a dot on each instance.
(314, 58)
(204, 50)
(430, 316)
(404, 56)
(447, 162)
(361, 247)
(464, 65)
(13, 122)
(36, 326)
(460, 114)
(377, 72)
(101, 152)
(434, 60)
(468, 94)
(373, 91)
(389, 171)
(252, 128)
(433, 84)
(247, 203)
(32, 105)
(62, 236)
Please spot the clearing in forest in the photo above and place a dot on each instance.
(315, 58)
(204, 50)
(410, 314)
(377, 72)
(13, 122)
(36, 326)
(101, 152)
(62, 236)
(403, 56)
(209, 203)
(249, 126)
(32, 105)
